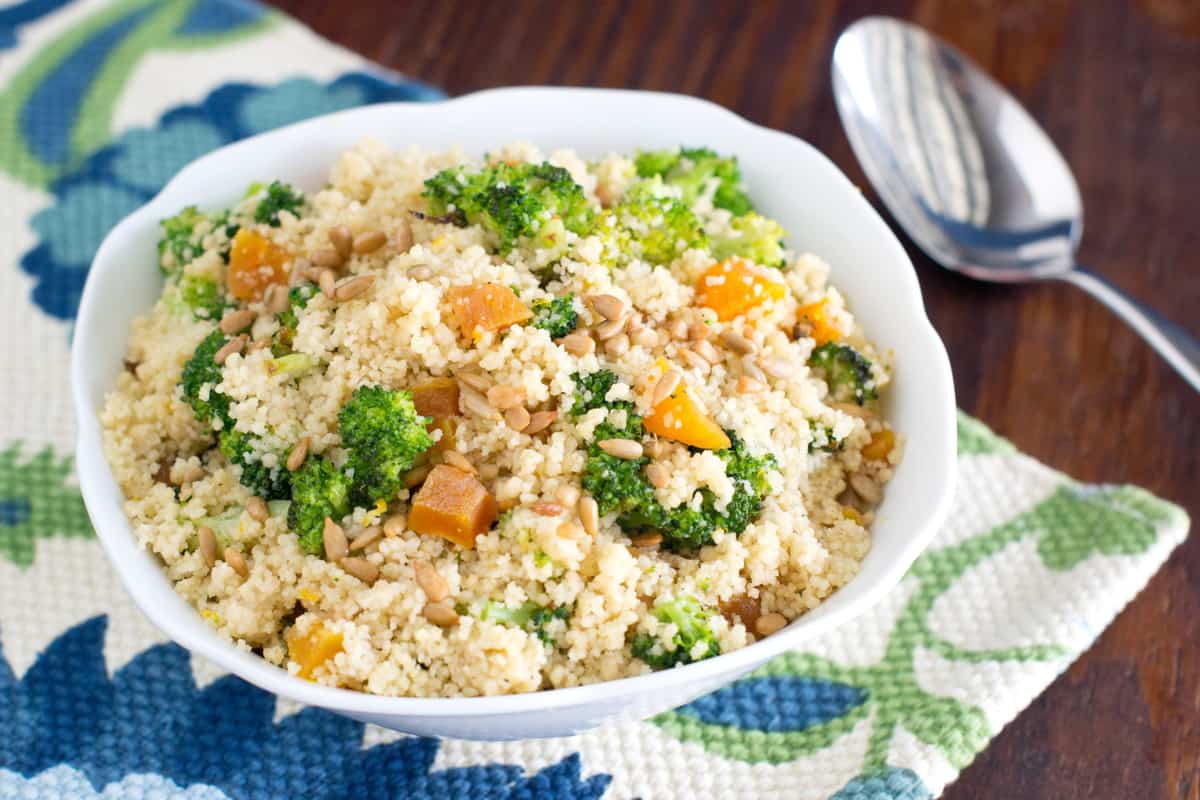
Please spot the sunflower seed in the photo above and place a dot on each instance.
(589, 514)
(360, 568)
(234, 559)
(751, 370)
(770, 623)
(394, 525)
(440, 614)
(299, 453)
(607, 306)
(621, 448)
(578, 344)
(738, 343)
(658, 475)
(208, 544)
(336, 547)
(457, 460)
(505, 397)
(478, 382)
(416, 476)
(609, 329)
(475, 403)
(327, 257)
(366, 538)
(540, 421)
(326, 281)
(666, 386)
(649, 539)
(342, 240)
(256, 507)
(517, 418)
(370, 241)
(238, 320)
(705, 350)
(235, 345)
(430, 581)
(694, 361)
(353, 287)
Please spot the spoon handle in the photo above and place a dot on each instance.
(1180, 348)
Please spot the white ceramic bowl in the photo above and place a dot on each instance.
(788, 179)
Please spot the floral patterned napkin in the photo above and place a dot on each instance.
(100, 104)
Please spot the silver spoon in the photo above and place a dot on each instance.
(969, 174)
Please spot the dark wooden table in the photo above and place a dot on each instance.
(1117, 85)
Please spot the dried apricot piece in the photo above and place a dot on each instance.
(312, 649)
(485, 307)
(452, 504)
(255, 263)
(680, 418)
(734, 286)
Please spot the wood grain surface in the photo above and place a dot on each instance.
(1117, 85)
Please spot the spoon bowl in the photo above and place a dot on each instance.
(968, 173)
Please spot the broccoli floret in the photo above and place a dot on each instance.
(384, 434)
(513, 201)
(651, 224)
(754, 237)
(620, 485)
(694, 170)
(279, 197)
(822, 438)
(269, 483)
(590, 391)
(298, 297)
(749, 474)
(203, 371)
(846, 371)
(530, 616)
(319, 490)
(203, 297)
(557, 317)
(179, 239)
(691, 621)
(224, 220)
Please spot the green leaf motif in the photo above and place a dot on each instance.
(36, 501)
(1078, 522)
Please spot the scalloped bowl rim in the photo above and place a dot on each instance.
(104, 500)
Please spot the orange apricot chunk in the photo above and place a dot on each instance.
(312, 649)
(817, 314)
(880, 445)
(255, 263)
(485, 307)
(734, 286)
(680, 418)
(436, 397)
(452, 504)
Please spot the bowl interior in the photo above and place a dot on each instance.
(788, 180)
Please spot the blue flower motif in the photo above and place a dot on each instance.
(20, 14)
(776, 703)
(149, 719)
(119, 178)
(888, 783)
